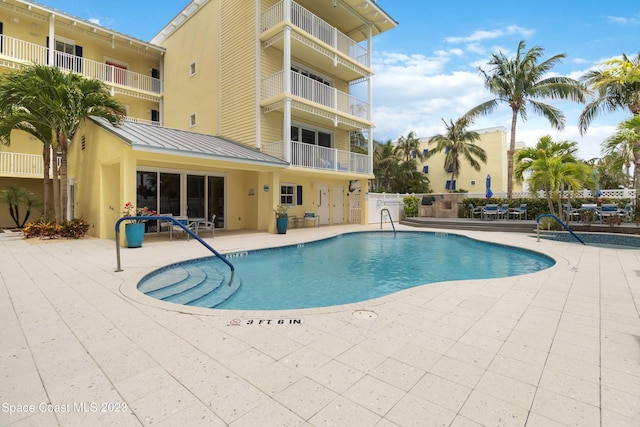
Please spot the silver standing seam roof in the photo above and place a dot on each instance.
(158, 139)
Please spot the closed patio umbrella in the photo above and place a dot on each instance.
(489, 193)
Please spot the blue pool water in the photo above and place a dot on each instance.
(344, 269)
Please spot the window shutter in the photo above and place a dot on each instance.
(299, 195)
(155, 115)
(78, 59)
(425, 151)
(425, 169)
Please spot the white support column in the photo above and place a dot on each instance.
(286, 5)
(286, 87)
(52, 41)
(370, 96)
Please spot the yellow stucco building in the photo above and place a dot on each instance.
(232, 109)
(495, 142)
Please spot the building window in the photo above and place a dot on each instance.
(473, 182)
(311, 136)
(192, 68)
(451, 185)
(287, 194)
(192, 120)
(425, 169)
(425, 151)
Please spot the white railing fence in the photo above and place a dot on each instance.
(318, 28)
(316, 157)
(30, 53)
(20, 164)
(618, 193)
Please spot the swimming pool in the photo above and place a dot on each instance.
(340, 270)
(603, 240)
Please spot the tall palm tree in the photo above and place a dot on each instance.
(458, 143)
(520, 82)
(617, 87)
(552, 167)
(48, 101)
(409, 148)
(385, 165)
(625, 145)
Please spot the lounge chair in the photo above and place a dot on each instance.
(626, 213)
(490, 211)
(312, 218)
(519, 212)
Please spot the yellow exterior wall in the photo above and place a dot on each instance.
(495, 143)
(198, 94)
(238, 76)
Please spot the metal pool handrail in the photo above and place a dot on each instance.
(176, 222)
(390, 219)
(559, 222)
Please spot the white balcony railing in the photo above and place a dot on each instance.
(29, 53)
(318, 28)
(315, 157)
(24, 165)
(317, 92)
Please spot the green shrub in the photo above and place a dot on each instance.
(410, 206)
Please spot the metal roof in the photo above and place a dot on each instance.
(158, 139)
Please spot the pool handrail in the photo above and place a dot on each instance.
(174, 221)
(559, 222)
(384, 208)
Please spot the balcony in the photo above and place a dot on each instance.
(316, 38)
(316, 92)
(21, 165)
(321, 158)
(15, 52)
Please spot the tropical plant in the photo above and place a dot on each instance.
(51, 104)
(624, 145)
(409, 148)
(392, 174)
(410, 206)
(616, 86)
(520, 82)
(553, 166)
(458, 143)
(16, 197)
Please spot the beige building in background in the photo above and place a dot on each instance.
(233, 108)
(495, 141)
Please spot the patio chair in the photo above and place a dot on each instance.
(626, 213)
(519, 212)
(490, 211)
(183, 220)
(503, 211)
(312, 218)
(608, 210)
(205, 225)
(473, 210)
(569, 212)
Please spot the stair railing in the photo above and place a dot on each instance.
(390, 219)
(175, 222)
(559, 222)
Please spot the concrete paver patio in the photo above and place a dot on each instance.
(80, 346)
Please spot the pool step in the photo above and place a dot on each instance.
(202, 285)
(220, 294)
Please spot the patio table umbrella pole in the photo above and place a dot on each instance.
(489, 193)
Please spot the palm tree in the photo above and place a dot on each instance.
(50, 99)
(409, 148)
(385, 164)
(625, 145)
(520, 82)
(458, 143)
(552, 167)
(617, 87)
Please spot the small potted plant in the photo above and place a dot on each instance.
(134, 229)
(282, 218)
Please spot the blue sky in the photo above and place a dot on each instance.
(426, 68)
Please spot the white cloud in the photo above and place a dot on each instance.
(622, 20)
(481, 35)
(94, 21)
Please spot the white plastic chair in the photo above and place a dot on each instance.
(312, 218)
